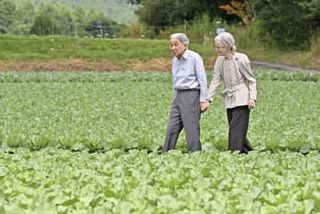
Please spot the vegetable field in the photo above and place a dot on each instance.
(90, 142)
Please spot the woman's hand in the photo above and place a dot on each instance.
(204, 106)
(251, 103)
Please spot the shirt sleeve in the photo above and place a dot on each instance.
(202, 78)
(245, 69)
(215, 80)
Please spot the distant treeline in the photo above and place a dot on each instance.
(288, 24)
(285, 24)
(65, 17)
(117, 10)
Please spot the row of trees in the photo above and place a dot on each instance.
(286, 23)
(117, 10)
(49, 19)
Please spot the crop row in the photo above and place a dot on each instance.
(102, 111)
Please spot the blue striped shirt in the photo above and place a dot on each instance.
(188, 72)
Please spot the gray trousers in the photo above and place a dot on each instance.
(185, 114)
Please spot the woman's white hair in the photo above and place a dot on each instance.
(226, 39)
(182, 37)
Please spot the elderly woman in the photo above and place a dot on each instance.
(239, 93)
(190, 94)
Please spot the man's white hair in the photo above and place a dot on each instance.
(226, 39)
(182, 37)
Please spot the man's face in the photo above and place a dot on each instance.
(177, 47)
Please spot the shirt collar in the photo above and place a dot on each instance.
(231, 57)
(184, 55)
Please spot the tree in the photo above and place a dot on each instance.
(25, 17)
(64, 20)
(312, 11)
(239, 9)
(43, 25)
(284, 23)
(157, 12)
(79, 20)
(7, 14)
(170, 13)
(53, 19)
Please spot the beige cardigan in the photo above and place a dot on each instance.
(239, 81)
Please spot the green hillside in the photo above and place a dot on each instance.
(118, 10)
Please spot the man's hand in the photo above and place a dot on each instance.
(204, 106)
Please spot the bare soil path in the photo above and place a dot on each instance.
(281, 67)
(160, 64)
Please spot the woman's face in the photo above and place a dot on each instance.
(177, 47)
(221, 49)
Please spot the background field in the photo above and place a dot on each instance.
(129, 110)
(89, 143)
(61, 53)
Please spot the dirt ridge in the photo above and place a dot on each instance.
(158, 64)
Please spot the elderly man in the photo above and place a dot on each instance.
(190, 93)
